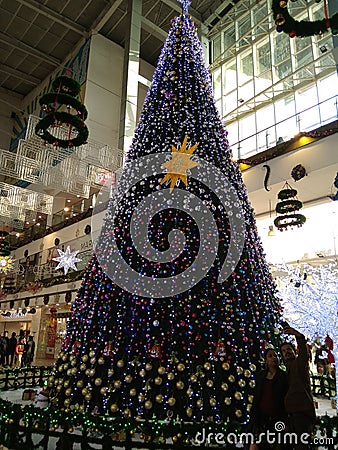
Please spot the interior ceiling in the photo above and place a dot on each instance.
(37, 36)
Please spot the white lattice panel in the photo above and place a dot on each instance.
(25, 198)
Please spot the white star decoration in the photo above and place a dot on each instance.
(67, 260)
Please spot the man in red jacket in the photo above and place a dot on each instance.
(298, 400)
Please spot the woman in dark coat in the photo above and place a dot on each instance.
(268, 404)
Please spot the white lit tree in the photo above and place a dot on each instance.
(310, 301)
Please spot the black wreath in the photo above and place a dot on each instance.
(42, 126)
(298, 172)
(284, 194)
(63, 99)
(66, 85)
(289, 220)
(288, 206)
(304, 28)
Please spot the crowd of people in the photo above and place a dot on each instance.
(16, 351)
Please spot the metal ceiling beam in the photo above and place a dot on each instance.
(13, 42)
(213, 12)
(195, 15)
(54, 16)
(20, 75)
(153, 29)
(105, 16)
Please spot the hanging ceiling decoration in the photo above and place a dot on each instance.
(63, 111)
(288, 207)
(27, 199)
(71, 170)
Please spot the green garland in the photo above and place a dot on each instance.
(303, 28)
(286, 193)
(41, 129)
(52, 419)
(289, 220)
(66, 85)
(49, 100)
(288, 206)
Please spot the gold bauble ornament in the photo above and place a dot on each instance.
(238, 395)
(224, 386)
(65, 366)
(141, 398)
(88, 396)
(161, 370)
(83, 367)
(241, 383)
(142, 373)
(207, 366)
(231, 378)
(114, 408)
(148, 366)
(174, 438)
(159, 398)
(120, 363)
(92, 361)
(247, 373)
(68, 392)
(190, 392)
(252, 367)
(171, 376)
(74, 371)
(91, 372)
(189, 412)
(58, 388)
(60, 368)
(158, 380)
(66, 384)
(252, 383)
(209, 383)
(171, 401)
(85, 358)
(148, 404)
(98, 381)
(212, 401)
(225, 366)
(193, 378)
(69, 372)
(74, 362)
(51, 379)
(110, 372)
(199, 403)
(238, 413)
(100, 361)
(227, 401)
(103, 390)
(91, 354)
(117, 384)
(250, 398)
(132, 392)
(87, 372)
(180, 367)
(180, 384)
(84, 391)
(66, 402)
(128, 378)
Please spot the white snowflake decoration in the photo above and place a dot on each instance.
(67, 260)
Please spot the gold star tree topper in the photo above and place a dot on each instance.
(179, 164)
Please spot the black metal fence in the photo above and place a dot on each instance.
(24, 377)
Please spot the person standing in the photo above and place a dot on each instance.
(268, 403)
(20, 347)
(4, 350)
(12, 343)
(298, 400)
(28, 354)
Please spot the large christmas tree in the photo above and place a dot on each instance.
(177, 303)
